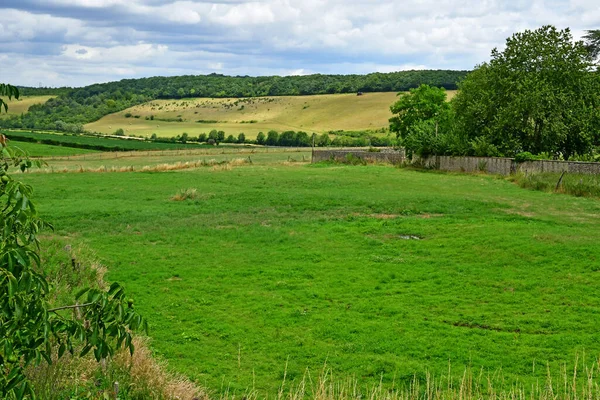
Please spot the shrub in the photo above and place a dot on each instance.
(525, 156)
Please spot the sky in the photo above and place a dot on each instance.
(80, 42)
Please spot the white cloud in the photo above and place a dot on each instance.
(119, 54)
(108, 39)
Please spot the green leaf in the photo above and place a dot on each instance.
(81, 293)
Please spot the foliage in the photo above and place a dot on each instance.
(423, 121)
(537, 95)
(8, 91)
(420, 104)
(525, 156)
(592, 42)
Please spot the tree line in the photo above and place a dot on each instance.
(77, 106)
(538, 98)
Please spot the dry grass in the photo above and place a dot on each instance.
(186, 194)
(149, 376)
(217, 165)
(315, 113)
(139, 376)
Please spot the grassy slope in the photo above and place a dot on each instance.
(319, 113)
(308, 264)
(22, 104)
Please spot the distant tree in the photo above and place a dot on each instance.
(272, 138)
(287, 138)
(120, 132)
(302, 139)
(592, 42)
(220, 136)
(60, 126)
(230, 139)
(241, 138)
(537, 95)
(260, 138)
(213, 135)
(324, 140)
(202, 137)
(153, 136)
(184, 137)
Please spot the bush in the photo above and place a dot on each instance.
(525, 156)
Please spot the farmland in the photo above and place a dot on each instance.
(317, 113)
(22, 104)
(378, 272)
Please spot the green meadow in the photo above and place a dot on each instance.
(382, 274)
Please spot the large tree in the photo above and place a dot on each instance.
(592, 42)
(422, 120)
(536, 95)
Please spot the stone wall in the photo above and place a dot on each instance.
(507, 166)
(491, 165)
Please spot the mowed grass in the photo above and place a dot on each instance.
(22, 104)
(379, 273)
(317, 113)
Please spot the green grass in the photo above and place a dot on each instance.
(574, 184)
(96, 143)
(317, 113)
(45, 150)
(378, 272)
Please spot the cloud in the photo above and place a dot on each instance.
(83, 41)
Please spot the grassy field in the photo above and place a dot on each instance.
(319, 113)
(21, 105)
(45, 150)
(96, 143)
(378, 272)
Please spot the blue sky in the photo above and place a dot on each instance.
(79, 42)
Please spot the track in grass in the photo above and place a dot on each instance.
(379, 272)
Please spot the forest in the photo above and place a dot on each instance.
(77, 106)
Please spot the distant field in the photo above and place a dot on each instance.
(95, 143)
(22, 104)
(380, 273)
(319, 113)
(45, 150)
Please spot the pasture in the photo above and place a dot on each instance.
(45, 150)
(380, 273)
(22, 104)
(316, 113)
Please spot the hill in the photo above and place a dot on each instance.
(79, 106)
(316, 113)
(18, 106)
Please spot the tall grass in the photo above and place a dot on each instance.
(582, 185)
(581, 382)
